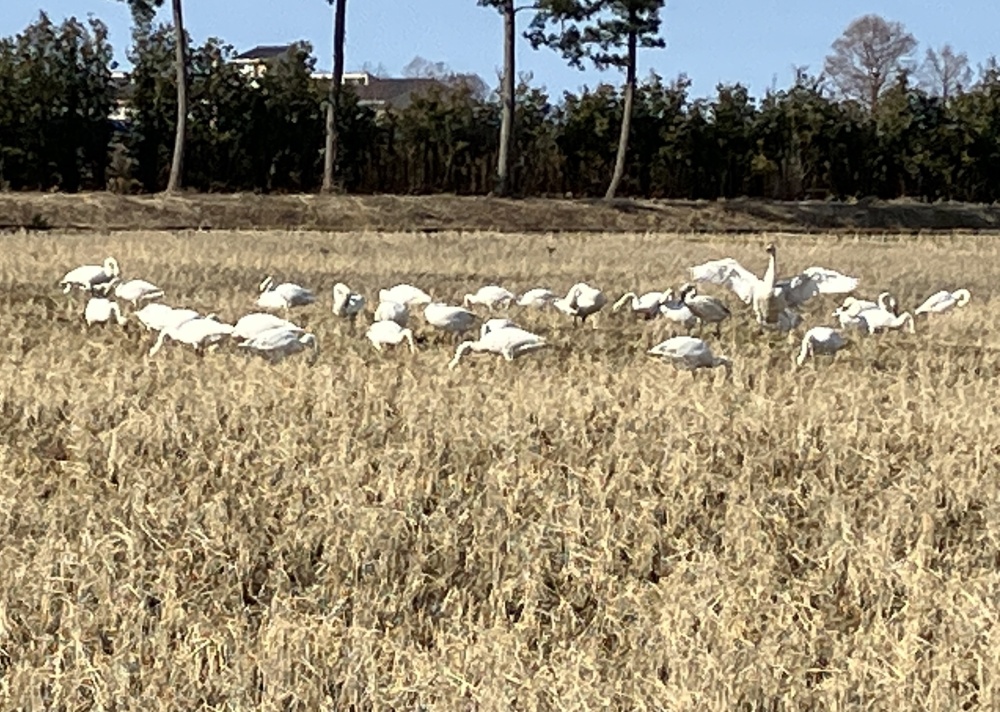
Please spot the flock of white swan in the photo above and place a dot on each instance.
(773, 302)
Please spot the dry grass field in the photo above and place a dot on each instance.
(585, 528)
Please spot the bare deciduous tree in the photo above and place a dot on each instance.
(143, 12)
(868, 57)
(333, 100)
(507, 88)
(945, 72)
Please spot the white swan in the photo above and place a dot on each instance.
(771, 303)
(137, 290)
(853, 306)
(389, 333)
(491, 296)
(282, 341)
(795, 290)
(709, 310)
(689, 354)
(251, 325)
(820, 340)
(510, 343)
(100, 310)
(392, 311)
(943, 301)
(455, 320)
(875, 320)
(677, 311)
(198, 332)
(284, 295)
(537, 298)
(405, 294)
(347, 304)
(87, 277)
(581, 301)
(648, 305)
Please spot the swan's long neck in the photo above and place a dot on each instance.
(962, 297)
(725, 363)
(804, 351)
(770, 276)
(463, 348)
(340, 298)
(159, 343)
(887, 303)
(625, 298)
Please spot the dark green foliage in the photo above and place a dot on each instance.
(266, 134)
(55, 96)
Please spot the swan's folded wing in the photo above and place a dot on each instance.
(933, 301)
(728, 273)
(813, 281)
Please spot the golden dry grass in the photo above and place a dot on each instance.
(582, 529)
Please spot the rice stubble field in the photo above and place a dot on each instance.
(583, 528)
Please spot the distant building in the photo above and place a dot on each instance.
(122, 90)
(254, 61)
(379, 93)
(386, 92)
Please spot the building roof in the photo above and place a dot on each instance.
(264, 52)
(396, 93)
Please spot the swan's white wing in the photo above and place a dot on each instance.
(816, 280)
(934, 301)
(275, 339)
(727, 273)
(251, 325)
(84, 275)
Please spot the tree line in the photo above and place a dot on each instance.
(873, 123)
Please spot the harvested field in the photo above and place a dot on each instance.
(584, 528)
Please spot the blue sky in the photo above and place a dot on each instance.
(750, 41)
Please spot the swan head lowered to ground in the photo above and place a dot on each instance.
(820, 340)
(581, 301)
(198, 332)
(690, 354)
(389, 333)
(510, 343)
(944, 301)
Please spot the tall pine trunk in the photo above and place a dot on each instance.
(626, 114)
(177, 165)
(332, 135)
(507, 116)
